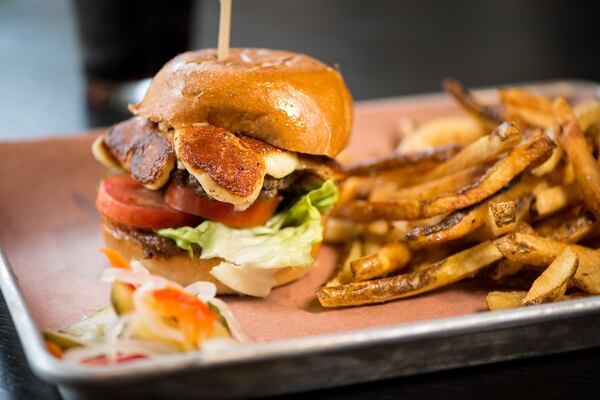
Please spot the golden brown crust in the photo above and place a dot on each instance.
(224, 157)
(286, 99)
(181, 268)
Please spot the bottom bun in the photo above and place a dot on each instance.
(181, 268)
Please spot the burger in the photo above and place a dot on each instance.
(226, 169)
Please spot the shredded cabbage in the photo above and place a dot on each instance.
(285, 240)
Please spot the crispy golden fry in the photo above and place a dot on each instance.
(460, 130)
(341, 230)
(371, 245)
(504, 300)
(463, 222)
(524, 227)
(568, 174)
(540, 252)
(552, 283)
(554, 199)
(594, 134)
(344, 274)
(390, 258)
(485, 150)
(486, 115)
(407, 126)
(585, 166)
(422, 159)
(536, 110)
(424, 258)
(430, 189)
(502, 213)
(506, 268)
(352, 188)
(533, 150)
(550, 164)
(588, 114)
(570, 226)
(522, 206)
(454, 268)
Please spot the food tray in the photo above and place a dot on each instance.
(50, 268)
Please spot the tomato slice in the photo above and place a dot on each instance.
(123, 200)
(185, 199)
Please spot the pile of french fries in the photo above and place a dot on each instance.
(507, 193)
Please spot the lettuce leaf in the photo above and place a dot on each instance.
(285, 240)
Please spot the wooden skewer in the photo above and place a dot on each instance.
(224, 30)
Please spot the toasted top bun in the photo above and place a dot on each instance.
(181, 268)
(288, 100)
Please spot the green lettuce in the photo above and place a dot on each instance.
(285, 240)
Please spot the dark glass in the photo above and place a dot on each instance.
(132, 39)
(125, 41)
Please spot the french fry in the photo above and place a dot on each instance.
(506, 268)
(371, 246)
(533, 150)
(502, 213)
(485, 150)
(504, 300)
(344, 274)
(540, 252)
(453, 269)
(410, 217)
(351, 188)
(430, 189)
(554, 199)
(536, 110)
(461, 223)
(376, 231)
(390, 258)
(406, 127)
(570, 226)
(552, 283)
(585, 166)
(550, 164)
(460, 130)
(487, 116)
(422, 159)
(587, 114)
(341, 230)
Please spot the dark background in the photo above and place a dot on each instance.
(384, 48)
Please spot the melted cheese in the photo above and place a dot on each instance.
(280, 164)
(230, 169)
(102, 155)
(277, 165)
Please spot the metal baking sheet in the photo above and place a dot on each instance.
(331, 359)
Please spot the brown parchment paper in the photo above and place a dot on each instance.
(49, 230)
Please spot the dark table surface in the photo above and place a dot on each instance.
(384, 48)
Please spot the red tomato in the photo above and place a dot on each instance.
(103, 360)
(185, 199)
(123, 200)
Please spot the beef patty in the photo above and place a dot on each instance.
(271, 186)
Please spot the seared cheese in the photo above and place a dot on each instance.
(229, 168)
(102, 155)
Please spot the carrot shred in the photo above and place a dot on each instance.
(54, 349)
(115, 259)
